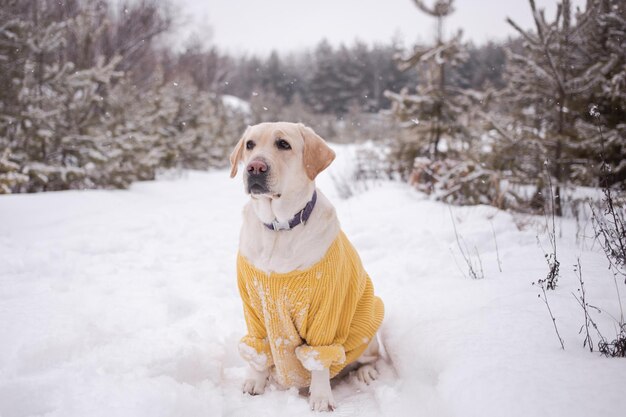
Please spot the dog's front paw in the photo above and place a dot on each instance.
(254, 387)
(322, 402)
(256, 382)
(321, 395)
(366, 374)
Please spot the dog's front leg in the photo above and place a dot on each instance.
(256, 381)
(321, 396)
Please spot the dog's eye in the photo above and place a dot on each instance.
(283, 144)
(250, 145)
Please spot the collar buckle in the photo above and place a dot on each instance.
(280, 226)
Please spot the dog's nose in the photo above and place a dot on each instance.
(257, 167)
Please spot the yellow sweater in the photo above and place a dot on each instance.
(322, 317)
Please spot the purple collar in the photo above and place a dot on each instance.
(301, 217)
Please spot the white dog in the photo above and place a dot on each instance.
(309, 306)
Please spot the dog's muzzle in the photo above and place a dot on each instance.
(258, 174)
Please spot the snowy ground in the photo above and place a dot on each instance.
(124, 303)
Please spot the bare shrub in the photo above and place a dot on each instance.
(473, 263)
(616, 348)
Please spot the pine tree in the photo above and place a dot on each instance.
(278, 78)
(352, 68)
(384, 75)
(436, 112)
(62, 107)
(602, 107)
(13, 35)
(484, 67)
(565, 64)
(442, 151)
(10, 176)
(325, 82)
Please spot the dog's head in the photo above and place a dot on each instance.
(280, 158)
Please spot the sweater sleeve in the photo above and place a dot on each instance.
(254, 346)
(332, 309)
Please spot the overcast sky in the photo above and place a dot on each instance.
(259, 26)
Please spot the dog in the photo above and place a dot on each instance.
(309, 306)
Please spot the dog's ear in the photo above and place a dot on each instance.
(237, 154)
(317, 154)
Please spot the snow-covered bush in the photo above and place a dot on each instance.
(458, 182)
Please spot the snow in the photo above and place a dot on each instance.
(124, 303)
(254, 358)
(309, 360)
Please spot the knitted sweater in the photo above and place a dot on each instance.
(321, 317)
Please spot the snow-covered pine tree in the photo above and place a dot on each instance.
(601, 126)
(13, 30)
(172, 126)
(199, 131)
(566, 66)
(129, 128)
(34, 140)
(436, 112)
(62, 145)
(439, 152)
(10, 176)
(48, 103)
